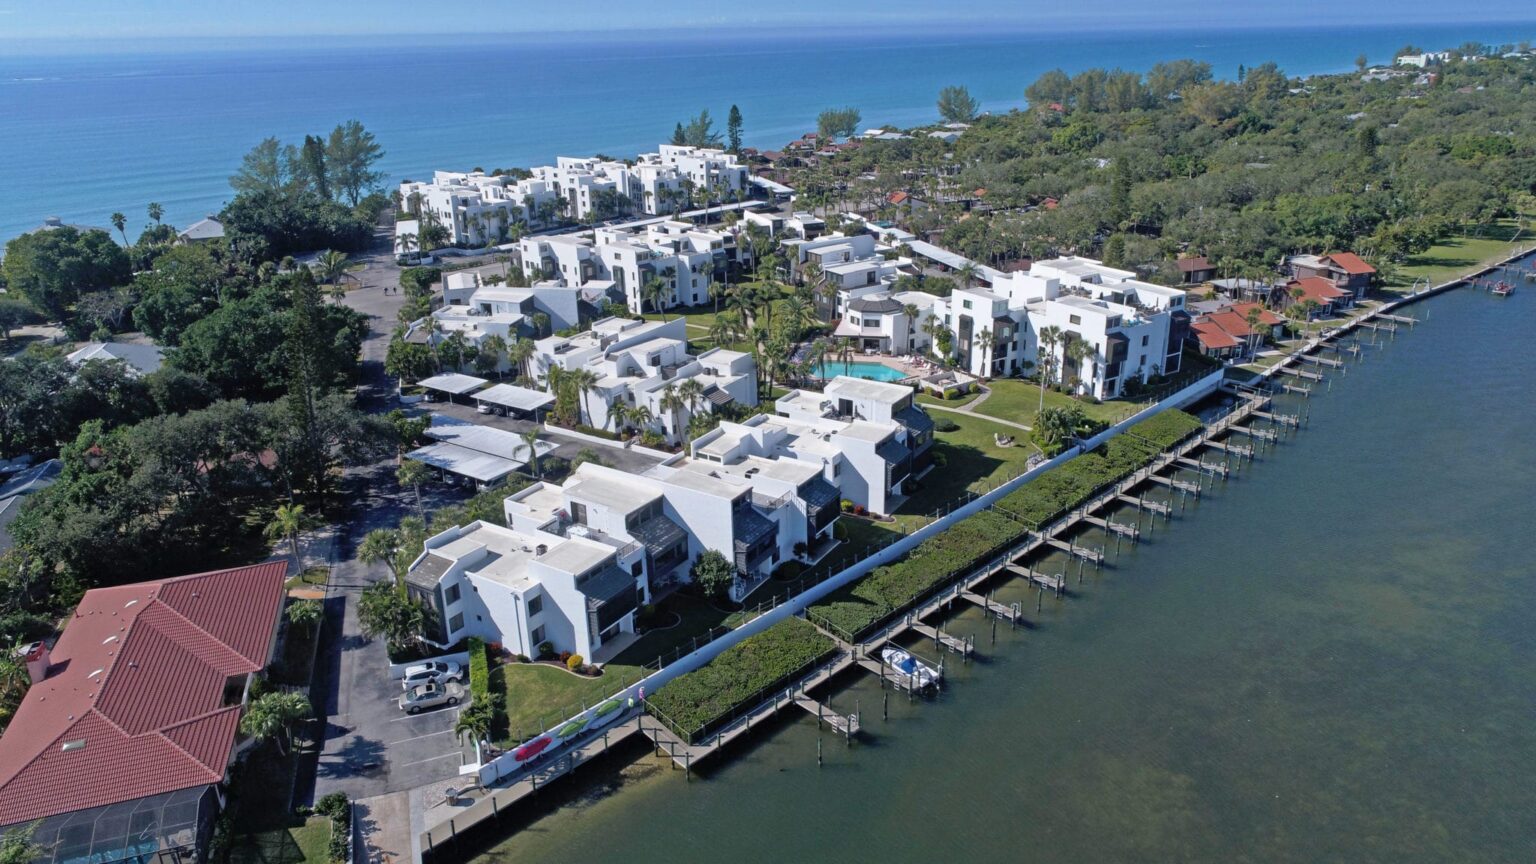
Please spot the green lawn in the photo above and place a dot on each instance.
(1456, 256)
(1017, 401)
(308, 843)
(925, 399)
(312, 577)
(538, 695)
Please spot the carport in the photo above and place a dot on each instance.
(510, 399)
(451, 385)
(455, 462)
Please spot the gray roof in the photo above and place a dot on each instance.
(882, 305)
(915, 419)
(512, 396)
(143, 358)
(428, 572)
(208, 228)
(452, 382)
(465, 462)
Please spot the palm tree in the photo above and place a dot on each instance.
(412, 474)
(155, 211)
(742, 299)
(1254, 336)
(287, 521)
(457, 347)
(1050, 337)
(531, 441)
(330, 266)
(722, 331)
(488, 359)
(1076, 351)
(618, 412)
(707, 269)
(520, 354)
(406, 242)
(968, 273)
(798, 315)
(305, 613)
(692, 392)
(584, 381)
(984, 338)
(382, 546)
(653, 291)
(271, 717)
(640, 416)
(120, 222)
(672, 402)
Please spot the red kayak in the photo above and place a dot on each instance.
(532, 748)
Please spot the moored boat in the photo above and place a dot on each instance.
(919, 675)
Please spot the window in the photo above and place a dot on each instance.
(1075, 319)
(967, 304)
(578, 513)
(1143, 341)
(537, 637)
(451, 596)
(535, 605)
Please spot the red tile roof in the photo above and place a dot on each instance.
(1350, 263)
(1266, 317)
(1190, 265)
(1231, 322)
(137, 679)
(1317, 289)
(1212, 336)
(897, 197)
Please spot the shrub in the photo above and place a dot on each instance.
(524, 658)
(788, 571)
(699, 699)
(858, 510)
(714, 574)
(847, 506)
(839, 531)
(330, 805)
(596, 432)
(479, 672)
(944, 424)
(546, 650)
(951, 393)
(564, 656)
(574, 662)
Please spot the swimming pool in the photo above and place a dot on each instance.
(877, 371)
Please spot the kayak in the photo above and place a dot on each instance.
(604, 714)
(532, 748)
(572, 728)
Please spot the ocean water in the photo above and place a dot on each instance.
(92, 132)
(1329, 658)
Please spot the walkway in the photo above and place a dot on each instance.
(966, 410)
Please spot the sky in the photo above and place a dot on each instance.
(139, 19)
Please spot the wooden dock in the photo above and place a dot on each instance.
(1300, 373)
(846, 725)
(1043, 580)
(1093, 556)
(1261, 434)
(1120, 528)
(1173, 483)
(942, 639)
(1011, 614)
(1398, 319)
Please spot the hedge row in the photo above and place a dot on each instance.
(479, 672)
(892, 587)
(935, 561)
(694, 701)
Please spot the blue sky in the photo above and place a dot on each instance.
(117, 19)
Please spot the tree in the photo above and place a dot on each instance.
(1054, 86)
(1361, 62)
(1050, 337)
(120, 222)
(270, 717)
(385, 612)
(531, 441)
(305, 613)
(957, 105)
(654, 291)
(350, 154)
(698, 132)
(584, 381)
(288, 520)
(18, 847)
(1056, 427)
(714, 574)
(311, 168)
(838, 122)
(53, 268)
(262, 170)
(733, 129)
(383, 546)
(155, 211)
(330, 266)
(412, 474)
(679, 135)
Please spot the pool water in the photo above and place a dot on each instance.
(876, 371)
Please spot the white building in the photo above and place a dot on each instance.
(1425, 60)
(477, 311)
(646, 364)
(686, 258)
(1131, 328)
(866, 438)
(523, 588)
(478, 208)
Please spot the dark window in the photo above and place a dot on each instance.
(537, 636)
(536, 605)
(1143, 341)
(456, 622)
(451, 596)
(1075, 319)
(578, 513)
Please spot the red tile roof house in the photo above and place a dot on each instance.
(1319, 291)
(121, 743)
(1345, 270)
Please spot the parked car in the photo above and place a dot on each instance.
(425, 696)
(486, 408)
(433, 672)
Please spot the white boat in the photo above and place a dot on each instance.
(918, 674)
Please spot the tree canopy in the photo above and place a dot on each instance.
(53, 268)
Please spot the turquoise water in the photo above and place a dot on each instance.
(1328, 659)
(859, 369)
(94, 131)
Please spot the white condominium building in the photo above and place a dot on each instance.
(646, 364)
(1128, 328)
(524, 587)
(685, 258)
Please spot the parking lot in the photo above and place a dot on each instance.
(613, 453)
